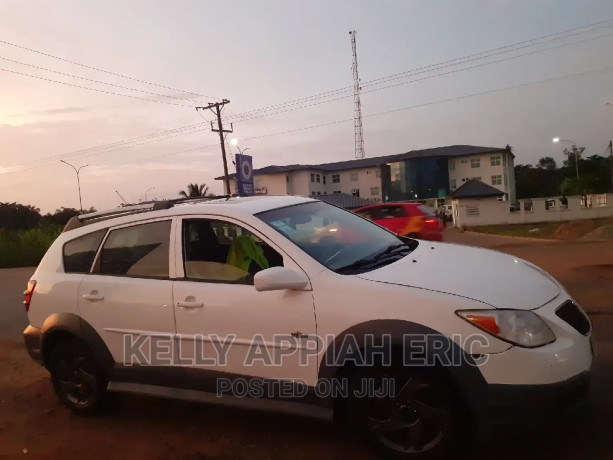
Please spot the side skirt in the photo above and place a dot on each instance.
(268, 405)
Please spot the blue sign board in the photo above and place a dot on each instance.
(244, 175)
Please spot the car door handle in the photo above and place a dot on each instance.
(93, 296)
(188, 304)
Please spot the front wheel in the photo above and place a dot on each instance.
(77, 378)
(414, 420)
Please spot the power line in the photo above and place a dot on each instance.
(456, 61)
(94, 89)
(104, 71)
(326, 101)
(185, 128)
(411, 107)
(97, 81)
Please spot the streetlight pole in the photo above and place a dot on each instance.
(234, 142)
(557, 139)
(77, 171)
(147, 191)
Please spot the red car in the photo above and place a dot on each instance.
(407, 219)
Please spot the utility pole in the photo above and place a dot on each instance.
(611, 160)
(357, 112)
(77, 170)
(216, 108)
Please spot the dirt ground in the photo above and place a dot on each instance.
(34, 425)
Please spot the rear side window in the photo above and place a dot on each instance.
(426, 211)
(392, 212)
(139, 251)
(79, 253)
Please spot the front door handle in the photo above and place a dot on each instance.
(94, 296)
(189, 304)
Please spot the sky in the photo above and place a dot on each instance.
(266, 53)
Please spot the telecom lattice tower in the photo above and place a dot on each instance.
(357, 116)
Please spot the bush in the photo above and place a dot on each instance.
(25, 248)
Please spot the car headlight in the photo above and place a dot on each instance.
(519, 327)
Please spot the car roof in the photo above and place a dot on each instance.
(231, 206)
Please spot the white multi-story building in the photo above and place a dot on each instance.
(415, 175)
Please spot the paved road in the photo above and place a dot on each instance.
(584, 268)
(13, 319)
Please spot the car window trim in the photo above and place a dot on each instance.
(95, 252)
(170, 276)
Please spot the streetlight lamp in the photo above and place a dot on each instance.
(234, 142)
(147, 191)
(557, 139)
(77, 170)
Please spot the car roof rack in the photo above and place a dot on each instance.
(89, 218)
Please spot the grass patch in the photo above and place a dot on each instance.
(25, 248)
(542, 230)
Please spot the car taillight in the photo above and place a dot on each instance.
(28, 294)
(432, 223)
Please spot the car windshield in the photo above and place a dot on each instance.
(338, 239)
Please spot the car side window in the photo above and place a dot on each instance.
(392, 212)
(218, 251)
(139, 251)
(78, 254)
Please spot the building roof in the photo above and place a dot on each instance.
(474, 188)
(436, 152)
(343, 200)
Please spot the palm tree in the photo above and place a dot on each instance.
(194, 191)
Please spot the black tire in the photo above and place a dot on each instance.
(418, 420)
(77, 378)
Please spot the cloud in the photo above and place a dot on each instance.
(51, 112)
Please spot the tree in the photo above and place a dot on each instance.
(194, 191)
(18, 216)
(62, 215)
(547, 163)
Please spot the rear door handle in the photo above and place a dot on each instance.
(188, 304)
(93, 296)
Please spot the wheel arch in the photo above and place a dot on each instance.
(63, 326)
(465, 377)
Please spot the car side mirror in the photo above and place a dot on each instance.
(279, 278)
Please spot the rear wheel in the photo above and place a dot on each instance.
(415, 420)
(77, 377)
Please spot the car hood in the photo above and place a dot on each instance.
(497, 279)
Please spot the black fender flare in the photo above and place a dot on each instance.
(61, 324)
(463, 371)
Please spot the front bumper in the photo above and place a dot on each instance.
(33, 338)
(524, 406)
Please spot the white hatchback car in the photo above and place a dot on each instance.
(294, 300)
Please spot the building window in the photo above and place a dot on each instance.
(355, 192)
(336, 178)
(452, 184)
(324, 179)
(497, 180)
(550, 204)
(319, 193)
(495, 161)
(528, 206)
(353, 176)
(318, 178)
(287, 179)
(601, 200)
(477, 178)
(374, 191)
(475, 163)
(313, 193)
(463, 161)
(336, 191)
(472, 210)
(451, 165)
(312, 177)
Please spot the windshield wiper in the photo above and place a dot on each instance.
(388, 255)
